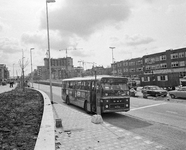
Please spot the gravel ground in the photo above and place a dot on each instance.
(20, 118)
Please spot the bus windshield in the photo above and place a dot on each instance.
(114, 88)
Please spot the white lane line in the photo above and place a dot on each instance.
(171, 112)
(147, 106)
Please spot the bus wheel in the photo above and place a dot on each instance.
(67, 100)
(85, 107)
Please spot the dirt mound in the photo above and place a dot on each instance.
(20, 119)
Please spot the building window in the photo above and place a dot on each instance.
(182, 74)
(157, 59)
(181, 55)
(131, 63)
(125, 70)
(174, 64)
(163, 57)
(139, 62)
(164, 65)
(132, 70)
(145, 79)
(163, 78)
(182, 63)
(147, 68)
(157, 66)
(174, 56)
(139, 69)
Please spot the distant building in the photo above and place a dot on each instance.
(131, 68)
(4, 73)
(100, 70)
(42, 72)
(164, 69)
(60, 68)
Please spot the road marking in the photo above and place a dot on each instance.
(147, 106)
(172, 112)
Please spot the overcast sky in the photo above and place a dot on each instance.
(133, 27)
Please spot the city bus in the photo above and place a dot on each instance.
(97, 94)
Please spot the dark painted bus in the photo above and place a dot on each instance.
(97, 94)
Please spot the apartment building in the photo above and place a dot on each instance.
(164, 69)
(131, 68)
(60, 67)
(4, 73)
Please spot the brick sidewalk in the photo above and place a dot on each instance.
(79, 133)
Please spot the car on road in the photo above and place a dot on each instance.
(152, 90)
(179, 93)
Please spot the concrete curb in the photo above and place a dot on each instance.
(46, 136)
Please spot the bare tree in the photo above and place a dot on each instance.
(23, 65)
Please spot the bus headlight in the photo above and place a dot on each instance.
(127, 105)
(106, 106)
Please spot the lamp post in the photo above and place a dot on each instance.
(112, 59)
(13, 70)
(48, 38)
(31, 65)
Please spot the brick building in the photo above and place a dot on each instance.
(4, 73)
(164, 69)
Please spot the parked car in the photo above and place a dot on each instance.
(152, 90)
(179, 93)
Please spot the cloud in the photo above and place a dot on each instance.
(81, 53)
(39, 39)
(9, 45)
(138, 40)
(1, 27)
(82, 17)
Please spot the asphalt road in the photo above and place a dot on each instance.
(158, 120)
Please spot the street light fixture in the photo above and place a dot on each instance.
(48, 38)
(112, 59)
(31, 65)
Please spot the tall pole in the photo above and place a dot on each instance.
(51, 95)
(13, 70)
(31, 66)
(112, 59)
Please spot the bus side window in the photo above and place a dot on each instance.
(87, 85)
(92, 85)
(67, 84)
(98, 87)
(71, 84)
(78, 85)
(82, 85)
(75, 85)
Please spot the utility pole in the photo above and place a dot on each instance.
(13, 71)
(31, 66)
(66, 62)
(112, 59)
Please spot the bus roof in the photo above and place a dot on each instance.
(98, 77)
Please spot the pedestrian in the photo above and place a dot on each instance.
(11, 84)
